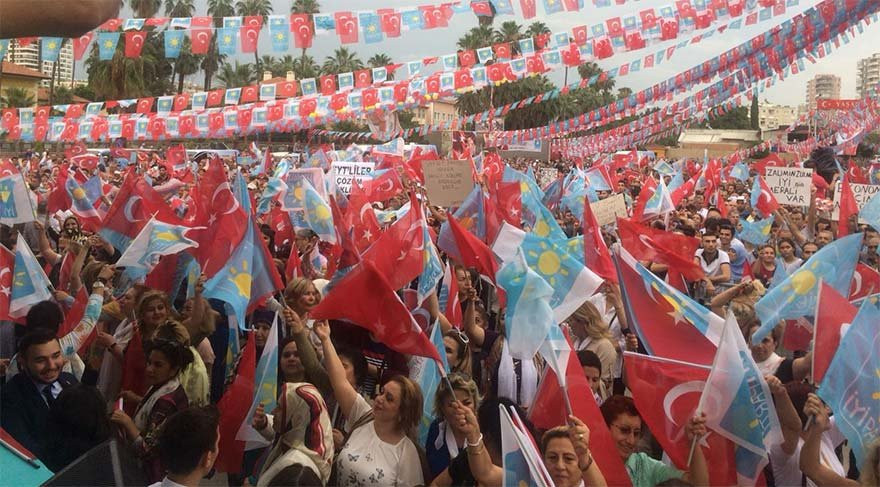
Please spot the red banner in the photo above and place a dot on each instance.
(835, 104)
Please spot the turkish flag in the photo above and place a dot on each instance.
(7, 261)
(365, 298)
(528, 8)
(250, 35)
(866, 281)
(596, 255)
(398, 253)
(502, 50)
(156, 127)
(144, 105)
(848, 207)
(685, 9)
(274, 112)
(602, 47)
(541, 40)
(766, 203)
(633, 40)
(346, 27)
(432, 84)
(389, 19)
(579, 34)
(133, 206)
(187, 125)
(249, 94)
(369, 97)
(110, 25)
(668, 29)
(245, 115)
(77, 149)
(473, 251)
(434, 16)
(181, 102)
(467, 58)
(482, 8)
(463, 79)
(615, 27)
(678, 386)
(328, 84)
(200, 40)
(735, 7)
(833, 313)
(215, 122)
(215, 98)
(234, 407)
(338, 101)
(649, 18)
(401, 91)
(80, 44)
(285, 89)
(303, 30)
(571, 56)
(649, 244)
(128, 129)
(495, 73)
(134, 42)
(307, 106)
(220, 213)
(362, 78)
(856, 175)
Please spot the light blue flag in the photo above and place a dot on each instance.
(265, 389)
(29, 283)
(740, 171)
(427, 375)
(317, 215)
(49, 48)
(279, 31)
(274, 187)
(575, 247)
(871, 211)
(154, 240)
(173, 43)
(15, 203)
(527, 46)
(232, 284)
(107, 45)
(552, 6)
(542, 221)
(796, 295)
(4, 46)
(528, 316)
(502, 7)
(852, 383)
(412, 19)
(227, 40)
(756, 232)
(432, 270)
(664, 168)
(371, 27)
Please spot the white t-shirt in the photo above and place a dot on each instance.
(367, 460)
(713, 268)
(786, 469)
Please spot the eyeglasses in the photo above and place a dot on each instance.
(460, 336)
(627, 431)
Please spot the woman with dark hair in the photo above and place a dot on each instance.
(79, 422)
(165, 396)
(566, 454)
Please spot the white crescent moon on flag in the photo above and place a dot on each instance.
(126, 211)
(227, 186)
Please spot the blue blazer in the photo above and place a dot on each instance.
(24, 413)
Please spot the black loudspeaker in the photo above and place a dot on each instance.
(108, 464)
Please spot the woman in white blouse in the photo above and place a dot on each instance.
(379, 450)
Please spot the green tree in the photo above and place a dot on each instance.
(306, 67)
(236, 75)
(736, 119)
(145, 8)
(179, 8)
(342, 61)
(267, 63)
(477, 37)
(283, 65)
(212, 60)
(624, 92)
(754, 114)
(84, 91)
(121, 77)
(308, 7)
(186, 64)
(537, 28)
(509, 31)
(380, 61)
(16, 98)
(63, 95)
(262, 8)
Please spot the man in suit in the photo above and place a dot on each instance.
(27, 396)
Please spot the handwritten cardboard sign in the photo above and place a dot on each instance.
(790, 185)
(448, 182)
(344, 174)
(608, 210)
(861, 192)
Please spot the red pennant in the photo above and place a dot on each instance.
(467, 58)
(81, 43)
(303, 30)
(434, 16)
(346, 27)
(362, 78)
(249, 94)
(390, 22)
(181, 102)
(144, 105)
(249, 34)
(200, 40)
(134, 42)
(528, 8)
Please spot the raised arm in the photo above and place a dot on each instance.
(344, 392)
(315, 372)
(698, 474)
(809, 461)
(788, 417)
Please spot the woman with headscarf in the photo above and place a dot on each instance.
(303, 438)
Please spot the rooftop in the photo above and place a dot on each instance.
(12, 69)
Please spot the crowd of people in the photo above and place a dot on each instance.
(147, 368)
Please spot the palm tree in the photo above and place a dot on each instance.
(283, 65)
(266, 63)
(236, 75)
(263, 8)
(186, 64)
(211, 63)
(16, 98)
(537, 28)
(476, 38)
(308, 7)
(509, 31)
(62, 95)
(306, 67)
(123, 77)
(179, 8)
(380, 61)
(342, 61)
(145, 8)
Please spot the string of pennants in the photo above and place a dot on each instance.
(529, 55)
(404, 93)
(229, 123)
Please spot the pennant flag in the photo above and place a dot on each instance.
(399, 251)
(854, 381)
(528, 316)
(265, 389)
(234, 409)
(15, 203)
(761, 198)
(796, 295)
(318, 215)
(756, 232)
(29, 283)
(522, 462)
(572, 283)
(173, 43)
(668, 322)
(427, 375)
(134, 204)
(832, 318)
(154, 240)
(432, 269)
(50, 47)
(107, 45)
(364, 297)
(678, 386)
(7, 265)
(472, 251)
(738, 404)
(870, 213)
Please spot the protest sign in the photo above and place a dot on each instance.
(862, 194)
(608, 210)
(790, 185)
(344, 173)
(448, 182)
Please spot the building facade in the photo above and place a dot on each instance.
(439, 111)
(772, 116)
(868, 74)
(21, 77)
(822, 86)
(30, 57)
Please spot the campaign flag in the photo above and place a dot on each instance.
(216, 209)
(399, 251)
(650, 244)
(848, 207)
(668, 322)
(29, 283)
(265, 389)
(871, 211)
(738, 404)
(796, 295)
(428, 376)
(432, 268)
(448, 297)
(15, 203)
(832, 318)
(154, 240)
(761, 198)
(528, 315)
(50, 47)
(318, 215)
(677, 386)
(572, 283)
(755, 232)
(866, 280)
(7, 265)
(107, 45)
(520, 457)
(134, 204)
(82, 205)
(472, 251)
(596, 255)
(854, 381)
(364, 298)
(542, 220)
(739, 171)
(234, 408)
(660, 203)
(556, 352)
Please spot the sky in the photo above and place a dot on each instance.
(412, 45)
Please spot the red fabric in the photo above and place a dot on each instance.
(303, 30)
(134, 363)
(672, 249)
(7, 263)
(680, 386)
(201, 40)
(596, 254)
(80, 44)
(549, 410)
(856, 175)
(474, 253)
(384, 187)
(233, 408)
(528, 8)
(766, 202)
(848, 207)
(346, 27)
(399, 252)
(135, 203)
(647, 191)
(833, 311)
(134, 42)
(798, 334)
(361, 218)
(364, 297)
(59, 199)
(866, 281)
(390, 21)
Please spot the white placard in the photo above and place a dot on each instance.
(861, 192)
(608, 210)
(344, 174)
(790, 185)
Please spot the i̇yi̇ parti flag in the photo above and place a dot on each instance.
(427, 374)
(528, 315)
(15, 203)
(265, 389)
(448, 297)
(29, 283)
(154, 240)
(234, 408)
(832, 318)
(761, 198)
(520, 458)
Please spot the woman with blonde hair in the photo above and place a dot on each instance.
(591, 333)
(446, 439)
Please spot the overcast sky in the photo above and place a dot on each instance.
(413, 45)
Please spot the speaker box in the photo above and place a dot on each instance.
(108, 464)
